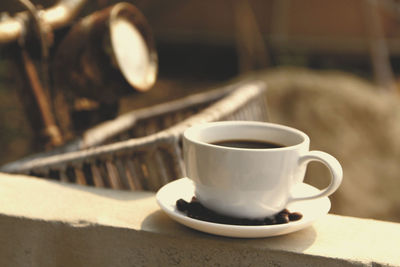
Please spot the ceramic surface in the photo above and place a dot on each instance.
(184, 188)
(251, 183)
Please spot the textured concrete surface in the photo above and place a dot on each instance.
(46, 223)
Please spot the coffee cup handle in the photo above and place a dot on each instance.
(334, 167)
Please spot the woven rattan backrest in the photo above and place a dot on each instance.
(152, 160)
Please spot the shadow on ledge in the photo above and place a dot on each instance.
(298, 241)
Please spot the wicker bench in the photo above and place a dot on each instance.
(141, 150)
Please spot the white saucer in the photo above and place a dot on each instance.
(184, 188)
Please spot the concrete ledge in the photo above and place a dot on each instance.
(46, 223)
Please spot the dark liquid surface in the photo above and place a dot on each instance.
(253, 144)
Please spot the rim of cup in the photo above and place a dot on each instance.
(303, 138)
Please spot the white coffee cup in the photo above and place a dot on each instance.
(251, 182)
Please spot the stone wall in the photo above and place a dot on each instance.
(46, 223)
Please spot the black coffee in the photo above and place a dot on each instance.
(253, 144)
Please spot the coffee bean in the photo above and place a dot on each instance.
(284, 211)
(282, 217)
(182, 205)
(295, 216)
(269, 221)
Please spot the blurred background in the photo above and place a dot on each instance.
(332, 70)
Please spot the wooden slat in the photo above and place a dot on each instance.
(97, 177)
(113, 178)
(63, 176)
(141, 172)
(79, 176)
(122, 173)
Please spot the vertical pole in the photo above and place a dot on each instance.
(379, 51)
